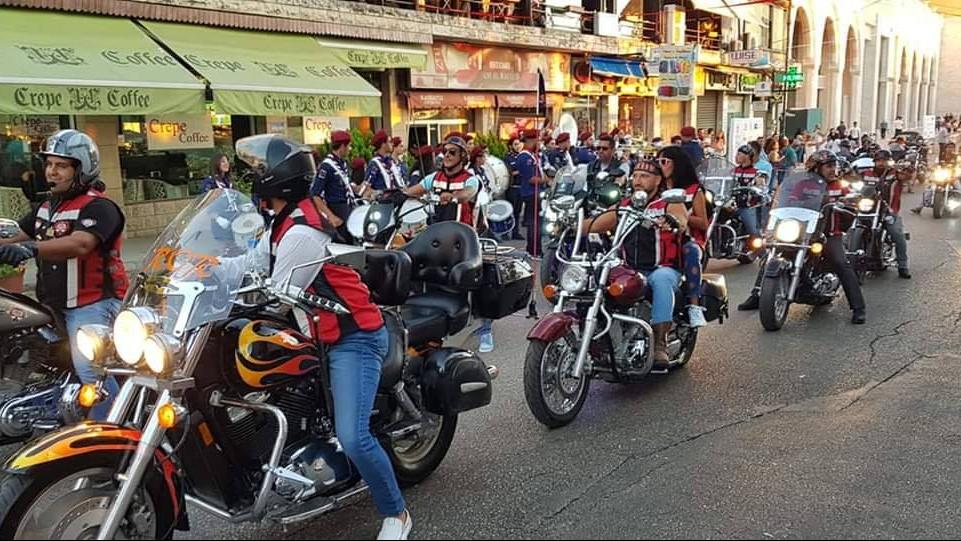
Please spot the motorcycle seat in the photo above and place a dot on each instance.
(454, 306)
(424, 323)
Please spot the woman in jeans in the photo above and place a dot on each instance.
(679, 173)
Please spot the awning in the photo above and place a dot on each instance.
(374, 55)
(617, 67)
(253, 73)
(450, 100)
(55, 63)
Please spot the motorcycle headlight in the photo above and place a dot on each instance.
(941, 175)
(131, 330)
(160, 352)
(857, 185)
(866, 204)
(574, 279)
(93, 341)
(550, 214)
(788, 231)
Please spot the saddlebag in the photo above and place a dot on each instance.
(506, 285)
(714, 296)
(454, 381)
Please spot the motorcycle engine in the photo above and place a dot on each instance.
(826, 284)
(630, 342)
(322, 466)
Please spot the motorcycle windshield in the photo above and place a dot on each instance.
(803, 191)
(204, 254)
(569, 181)
(717, 176)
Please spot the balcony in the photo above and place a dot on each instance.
(518, 12)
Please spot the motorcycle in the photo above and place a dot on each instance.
(37, 390)
(597, 290)
(943, 194)
(870, 248)
(392, 220)
(795, 272)
(226, 403)
(726, 237)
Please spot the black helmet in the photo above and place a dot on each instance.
(819, 159)
(747, 150)
(281, 168)
(882, 155)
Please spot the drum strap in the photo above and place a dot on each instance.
(351, 198)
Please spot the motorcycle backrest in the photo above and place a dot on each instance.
(387, 275)
(447, 254)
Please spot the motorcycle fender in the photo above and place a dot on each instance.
(108, 442)
(552, 327)
(775, 266)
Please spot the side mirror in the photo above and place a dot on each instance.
(348, 255)
(600, 177)
(34, 187)
(8, 228)
(674, 196)
(639, 200)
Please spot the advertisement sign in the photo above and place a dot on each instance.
(763, 89)
(317, 129)
(460, 66)
(747, 83)
(929, 130)
(742, 131)
(179, 132)
(676, 66)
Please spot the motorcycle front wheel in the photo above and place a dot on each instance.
(553, 395)
(47, 504)
(773, 303)
(939, 203)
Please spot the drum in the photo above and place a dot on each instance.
(355, 222)
(500, 219)
(498, 174)
(413, 218)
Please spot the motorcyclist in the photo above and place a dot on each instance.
(454, 183)
(653, 251)
(357, 343)
(606, 162)
(889, 186)
(824, 164)
(746, 174)
(76, 236)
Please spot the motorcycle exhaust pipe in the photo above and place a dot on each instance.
(493, 371)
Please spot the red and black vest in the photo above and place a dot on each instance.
(648, 246)
(335, 282)
(746, 177)
(460, 212)
(839, 223)
(84, 280)
(889, 187)
(699, 235)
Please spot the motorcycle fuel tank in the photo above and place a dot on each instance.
(18, 312)
(270, 354)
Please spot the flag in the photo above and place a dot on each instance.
(541, 94)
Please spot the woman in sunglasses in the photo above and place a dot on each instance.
(679, 173)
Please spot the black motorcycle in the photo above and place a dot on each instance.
(870, 248)
(726, 234)
(227, 402)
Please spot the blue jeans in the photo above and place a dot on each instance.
(98, 313)
(486, 326)
(748, 217)
(664, 282)
(355, 365)
(692, 269)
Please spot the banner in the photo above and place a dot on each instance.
(317, 129)
(676, 65)
(742, 131)
(179, 132)
(459, 66)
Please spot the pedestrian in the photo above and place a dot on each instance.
(898, 125)
(514, 190)
(399, 154)
(332, 183)
(691, 147)
(720, 143)
(944, 139)
(789, 159)
(855, 132)
(884, 129)
(531, 177)
(219, 174)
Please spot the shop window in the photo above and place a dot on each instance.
(170, 171)
(21, 139)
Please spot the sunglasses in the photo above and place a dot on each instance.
(664, 161)
(605, 148)
(453, 151)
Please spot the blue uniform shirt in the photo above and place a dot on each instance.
(584, 155)
(329, 184)
(375, 174)
(527, 169)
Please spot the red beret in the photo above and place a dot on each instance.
(585, 135)
(358, 163)
(563, 138)
(454, 134)
(396, 141)
(529, 134)
(425, 150)
(379, 139)
(468, 137)
(340, 137)
(477, 152)
(688, 131)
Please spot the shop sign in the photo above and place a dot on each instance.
(747, 83)
(32, 125)
(179, 132)
(763, 89)
(317, 129)
(84, 100)
(760, 106)
(717, 80)
(676, 66)
(459, 66)
(754, 58)
(450, 100)
(638, 89)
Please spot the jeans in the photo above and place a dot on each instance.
(895, 230)
(664, 282)
(486, 326)
(98, 313)
(749, 217)
(691, 252)
(355, 365)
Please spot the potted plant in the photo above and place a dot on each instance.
(11, 278)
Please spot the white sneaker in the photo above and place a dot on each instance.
(395, 528)
(695, 316)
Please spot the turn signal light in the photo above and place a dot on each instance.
(88, 396)
(550, 291)
(757, 243)
(167, 416)
(817, 248)
(615, 290)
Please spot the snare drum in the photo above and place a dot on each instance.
(500, 219)
(413, 218)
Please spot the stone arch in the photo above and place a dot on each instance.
(850, 109)
(802, 52)
(828, 74)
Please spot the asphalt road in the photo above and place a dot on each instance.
(824, 429)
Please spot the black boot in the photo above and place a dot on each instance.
(859, 317)
(904, 273)
(752, 303)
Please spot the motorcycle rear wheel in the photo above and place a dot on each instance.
(773, 303)
(939, 203)
(415, 462)
(546, 370)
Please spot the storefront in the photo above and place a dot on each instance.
(435, 114)
(710, 106)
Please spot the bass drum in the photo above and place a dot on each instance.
(499, 175)
(355, 222)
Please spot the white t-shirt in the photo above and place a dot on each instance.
(301, 244)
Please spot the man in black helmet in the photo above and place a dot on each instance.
(76, 237)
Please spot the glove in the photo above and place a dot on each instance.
(15, 254)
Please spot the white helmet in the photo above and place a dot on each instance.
(79, 147)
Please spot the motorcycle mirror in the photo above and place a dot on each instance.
(8, 228)
(34, 187)
(601, 176)
(674, 196)
(639, 200)
(347, 255)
